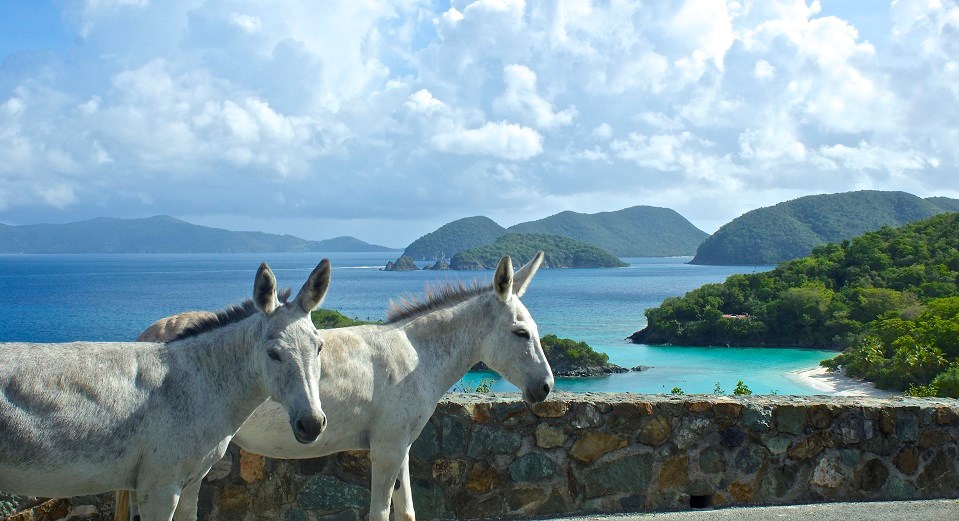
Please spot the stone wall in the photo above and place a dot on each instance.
(486, 456)
(483, 456)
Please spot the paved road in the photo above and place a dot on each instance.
(933, 510)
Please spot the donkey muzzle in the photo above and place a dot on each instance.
(536, 393)
(307, 427)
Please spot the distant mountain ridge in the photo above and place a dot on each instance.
(160, 234)
(791, 229)
(639, 231)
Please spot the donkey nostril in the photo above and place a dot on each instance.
(300, 427)
(546, 388)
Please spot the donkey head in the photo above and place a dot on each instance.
(512, 348)
(289, 347)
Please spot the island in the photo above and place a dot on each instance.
(889, 298)
(638, 231)
(454, 237)
(561, 252)
(404, 263)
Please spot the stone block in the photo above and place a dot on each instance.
(324, 493)
(790, 419)
(655, 432)
(712, 460)
(483, 478)
(810, 446)
(549, 437)
(426, 446)
(252, 466)
(493, 440)
(594, 444)
(673, 473)
(907, 461)
(531, 467)
(630, 474)
(751, 458)
(933, 437)
(551, 409)
(938, 477)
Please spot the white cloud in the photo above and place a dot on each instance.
(503, 140)
(248, 23)
(670, 103)
(763, 70)
(603, 131)
(521, 100)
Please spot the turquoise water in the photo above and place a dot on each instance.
(58, 298)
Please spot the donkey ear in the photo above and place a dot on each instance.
(503, 279)
(314, 289)
(525, 274)
(264, 290)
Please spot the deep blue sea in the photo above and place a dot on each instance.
(59, 298)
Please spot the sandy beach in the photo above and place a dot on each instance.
(835, 384)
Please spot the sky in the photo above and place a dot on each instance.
(384, 120)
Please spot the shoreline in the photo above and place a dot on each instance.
(837, 384)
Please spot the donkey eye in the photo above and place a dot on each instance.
(274, 355)
(522, 333)
(319, 346)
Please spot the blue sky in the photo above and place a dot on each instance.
(384, 120)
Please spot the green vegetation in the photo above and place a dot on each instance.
(332, 319)
(947, 204)
(677, 391)
(718, 389)
(556, 348)
(792, 229)
(484, 386)
(561, 252)
(452, 238)
(890, 297)
(640, 231)
(741, 389)
(571, 358)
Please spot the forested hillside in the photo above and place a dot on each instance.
(889, 297)
(640, 231)
(560, 252)
(792, 229)
(454, 237)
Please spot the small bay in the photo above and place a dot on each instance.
(61, 298)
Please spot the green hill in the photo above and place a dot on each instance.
(890, 297)
(160, 234)
(640, 231)
(454, 237)
(947, 204)
(792, 229)
(561, 252)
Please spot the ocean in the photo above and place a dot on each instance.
(61, 298)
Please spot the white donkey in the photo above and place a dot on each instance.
(85, 418)
(382, 382)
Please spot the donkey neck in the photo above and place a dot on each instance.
(449, 341)
(227, 365)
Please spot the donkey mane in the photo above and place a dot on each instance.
(437, 297)
(227, 316)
